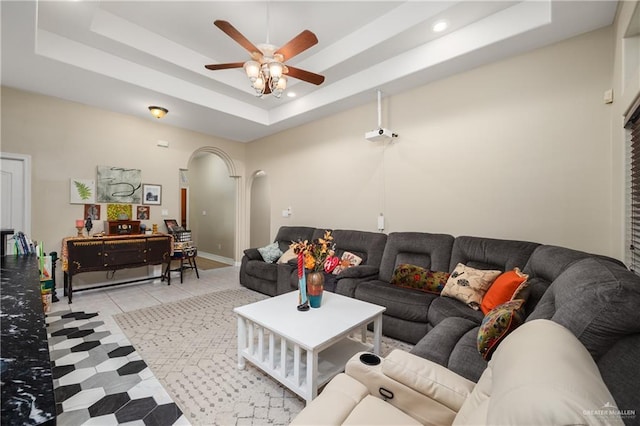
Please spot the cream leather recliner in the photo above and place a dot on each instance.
(539, 375)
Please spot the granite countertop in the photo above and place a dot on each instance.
(25, 367)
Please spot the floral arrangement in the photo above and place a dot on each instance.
(316, 252)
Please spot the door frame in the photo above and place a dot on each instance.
(26, 169)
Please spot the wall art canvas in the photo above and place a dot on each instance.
(92, 211)
(119, 211)
(82, 191)
(119, 185)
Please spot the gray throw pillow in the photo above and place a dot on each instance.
(270, 253)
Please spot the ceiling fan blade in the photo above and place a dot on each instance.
(304, 75)
(214, 67)
(298, 44)
(231, 31)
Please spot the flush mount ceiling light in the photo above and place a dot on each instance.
(266, 70)
(157, 111)
(440, 26)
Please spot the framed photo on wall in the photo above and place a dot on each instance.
(143, 213)
(151, 194)
(92, 211)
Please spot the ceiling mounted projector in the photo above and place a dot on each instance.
(379, 134)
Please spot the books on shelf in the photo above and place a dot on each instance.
(22, 244)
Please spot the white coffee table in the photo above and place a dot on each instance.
(273, 334)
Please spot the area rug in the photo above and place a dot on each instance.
(205, 264)
(191, 347)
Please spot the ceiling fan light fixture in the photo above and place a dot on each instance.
(252, 68)
(266, 70)
(158, 111)
(280, 87)
(275, 70)
(259, 85)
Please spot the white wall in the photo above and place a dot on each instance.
(516, 149)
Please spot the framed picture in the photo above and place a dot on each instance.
(92, 211)
(151, 194)
(143, 212)
(118, 185)
(82, 191)
(172, 225)
(119, 211)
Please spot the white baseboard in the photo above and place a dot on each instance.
(221, 259)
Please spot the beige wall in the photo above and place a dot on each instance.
(260, 211)
(68, 140)
(523, 148)
(212, 206)
(516, 149)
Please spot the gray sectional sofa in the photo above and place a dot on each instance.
(594, 297)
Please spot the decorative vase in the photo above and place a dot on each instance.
(315, 288)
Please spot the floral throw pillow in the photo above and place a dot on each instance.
(270, 253)
(497, 324)
(469, 285)
(347, 260)
(418, 278)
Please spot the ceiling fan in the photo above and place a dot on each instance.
(266, 69)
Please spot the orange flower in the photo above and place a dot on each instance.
(316, 251)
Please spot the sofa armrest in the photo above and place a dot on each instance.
(253, 254)
(423, 389)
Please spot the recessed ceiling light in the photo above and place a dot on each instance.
(291, 94)
(440, 26)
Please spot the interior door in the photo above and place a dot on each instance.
(15, 192)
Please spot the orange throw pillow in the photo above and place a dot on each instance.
(503, 289)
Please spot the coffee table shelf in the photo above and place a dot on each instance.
(304, 350)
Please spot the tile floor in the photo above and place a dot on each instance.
(98, 376)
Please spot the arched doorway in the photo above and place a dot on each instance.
(213, 204)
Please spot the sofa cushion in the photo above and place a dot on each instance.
(270, 253)
(540, 375)
(497, 325)
(418, 278)
(490, 253)
(595, 299)
(375, 411)
(289, 234)
(469, 284)
(408, 304)
(508, 286)
(431, 251)
(445, 307)
(263, 270)
(341, 395)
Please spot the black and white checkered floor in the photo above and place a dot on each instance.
(99, 379)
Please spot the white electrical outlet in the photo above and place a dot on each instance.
(165, 212)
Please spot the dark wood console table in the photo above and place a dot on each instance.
(113, 253)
